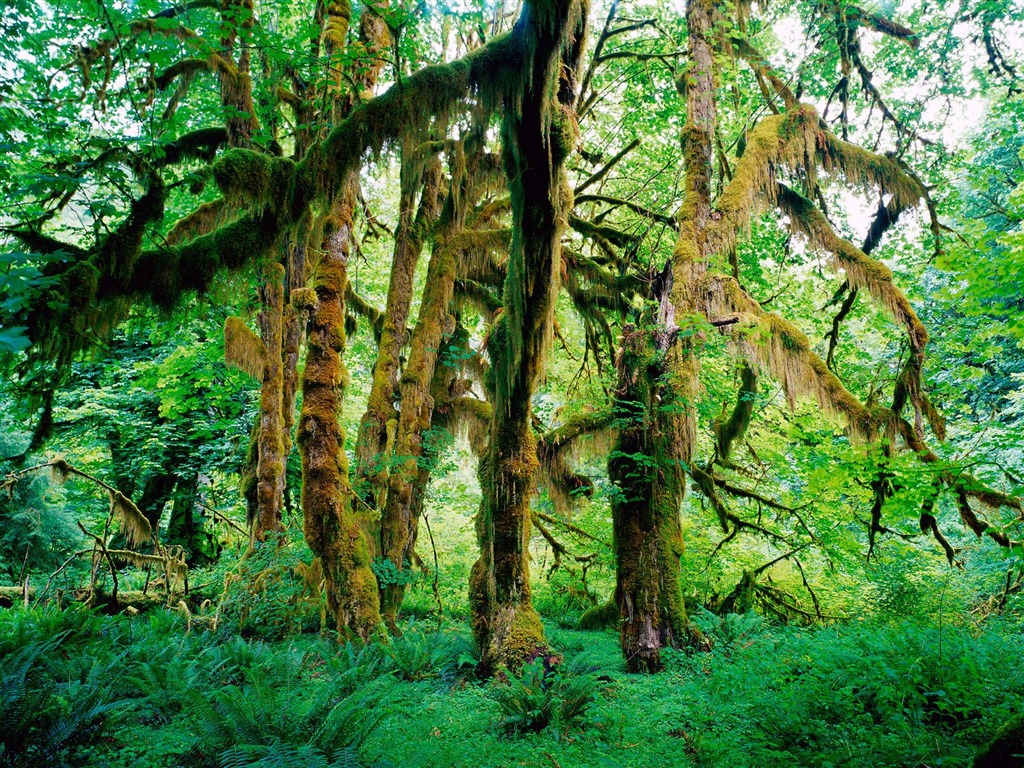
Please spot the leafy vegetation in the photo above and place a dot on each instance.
(577, 383)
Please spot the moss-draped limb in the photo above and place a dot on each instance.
(787, 354)
(729, 429)
(415, 223)
(555, 448)
(364, 309)
(781, 348)
(87, 293)
(163, 275)
(97, 289)
(798, 142)
(538, 132)
(862, 271)
(759, 63)
(490, 71)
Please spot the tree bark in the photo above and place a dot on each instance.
(332, 528)
(536, 138)
(379, 422)
(658, 390)
(270, 469)
(649, 482)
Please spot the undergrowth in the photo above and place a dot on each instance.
(81, 689)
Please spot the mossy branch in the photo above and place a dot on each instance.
(780, 347)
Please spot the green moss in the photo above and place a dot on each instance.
(1006, 750)
(525, 640)
(251, 178)
(600, 616)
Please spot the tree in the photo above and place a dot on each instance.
(274, 185)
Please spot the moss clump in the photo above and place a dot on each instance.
(1006, 750)
(525, 639)
(600, 616)
(249, 178)
(303, 298)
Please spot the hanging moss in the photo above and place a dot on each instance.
(243, 349)
(728, 430)
(781, 348)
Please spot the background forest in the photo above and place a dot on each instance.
(480, 383)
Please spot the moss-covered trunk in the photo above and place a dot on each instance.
(185, 528)
(333, 530)
(293, 336)
(379, 423)
(407, 481)
(658, 390)
(536, 138)
(398, 517)
(648, 481)
(270, 469)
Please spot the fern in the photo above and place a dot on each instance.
(38, 727)
(540, 696)
(259, 724)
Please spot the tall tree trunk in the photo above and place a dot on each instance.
(333, 530)
(379, 423)
(659, 387)
(398, 517)
(183, 528)
(270, 469)
(292, 337)
(536, 138)
(644, 469)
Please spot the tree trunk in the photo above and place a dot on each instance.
(292, 338)
(379, 423)
(183, 528)
(398, 522)
(659, 387)
(536, 138)
(333, 530)
(270, 469)
(649, 482)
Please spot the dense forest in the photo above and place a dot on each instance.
(479, 383)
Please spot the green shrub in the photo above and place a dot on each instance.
(271, 595)
(541, 695)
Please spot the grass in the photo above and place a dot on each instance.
(859, 694)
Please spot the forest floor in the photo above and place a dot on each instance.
(859, 694)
